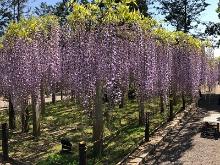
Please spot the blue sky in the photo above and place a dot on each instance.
(210, 14)
(37, 2)
(207, 16)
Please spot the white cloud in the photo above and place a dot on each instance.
(217, 52)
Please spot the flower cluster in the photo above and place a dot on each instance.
(110, 55)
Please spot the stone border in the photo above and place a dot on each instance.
(138, 155)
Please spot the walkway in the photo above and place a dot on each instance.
(185, 146)
(4, 102)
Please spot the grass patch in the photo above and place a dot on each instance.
(122, 134)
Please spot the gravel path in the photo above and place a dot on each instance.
(185, 146)
(4, 102)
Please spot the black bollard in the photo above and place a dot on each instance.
(5, 141)
(147, 127)
(82, 153)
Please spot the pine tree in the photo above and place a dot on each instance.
(18, 6)
(60, 9)
(10, 10)
(213, 29)
(5, 15)
(182, 14)
(44, 9)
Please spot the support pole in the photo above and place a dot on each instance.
(147, 127)
(171, 110)
(5, 141)
(82, 153)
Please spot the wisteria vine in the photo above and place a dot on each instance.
(110, 54)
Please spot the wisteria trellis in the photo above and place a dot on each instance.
(107, 58)
(102, 54)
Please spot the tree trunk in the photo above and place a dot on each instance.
(183, 101)
(185, 16)
(5, 146)
(161, 104)
(24, 117)
(72, 95)
(53, 97)
(141, 112)
(12, 121)
(36, 114)
(174, 98)
(200, 93)
(170, 118)
(108, 113)
(54, 94)
(18, 10)
(42, 97)
(14, 11)
(98, 122)
(61, 94)
(123, 100)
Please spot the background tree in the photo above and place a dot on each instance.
(214, 28)
(182, 14)
(18, 7)
(60, 9)
(44, 9)
(11, 10)
(142, 6)
(5, 15)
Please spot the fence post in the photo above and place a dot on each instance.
(82, 153)
(5, 141)
(147, 127)
(171, 110)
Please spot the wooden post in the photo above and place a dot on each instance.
(141, 112)
(98, 121)
(61, 94)
(24, 117)
(42, 97)
(53, 97)
(5, 141)
(184, 101)
(36, 114)
(12, 123)
(217, 132)
(171, 110)
(218, 128)
(200, 93)
(53, 93)
(161, 104)
(147, 127)
(82, 153)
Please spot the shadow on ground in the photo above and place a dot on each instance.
(177, 142)
(210, 102)
(181, 139)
